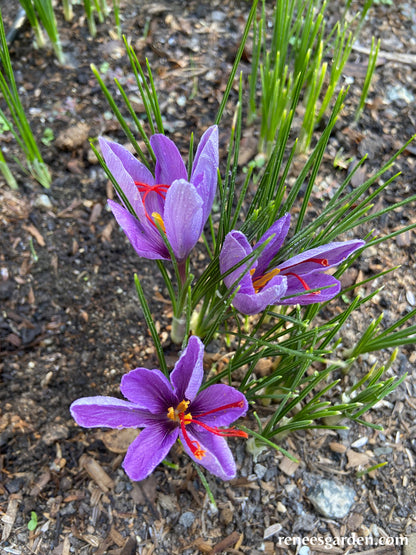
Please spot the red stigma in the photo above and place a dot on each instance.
(321, 261)
(180, 415)
(144, 189)
(303, 282)
(230, 432)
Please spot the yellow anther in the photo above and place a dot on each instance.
(264, 280)
(158, 218)
(173, 414)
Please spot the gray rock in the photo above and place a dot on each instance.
(187, 519)
(410, 547)
(260, 470)
(331, 499)
(398, 92)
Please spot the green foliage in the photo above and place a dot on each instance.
(306, 359)
(18, 124)
(33, 522)
(299, 66)
(43, 10)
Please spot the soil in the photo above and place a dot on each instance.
(71, 326)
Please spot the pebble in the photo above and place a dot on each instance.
(410, 547)
(55, 432)
(73, 137)
(187, 519)
(260, 470)
(43, 201)
(218, 16)
(359, 442)
(398, 92)
(331, 499)
(383, 451)
(410, 298)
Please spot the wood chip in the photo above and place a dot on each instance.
(97, 473)
(226, 543)
(40, 484)
(288, 466)
(35, 234)
(107, 231)
(390, 56)
(202, 545)
(356, 459)
(383, 550)
(337, 447)
(10, 516)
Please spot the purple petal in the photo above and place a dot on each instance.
(126, 169)
(149, 390)
(253, 303)
(146, 242)
(235, 248)
(279, 229)
(182, 217)
(187, 375)
(205, 169)
(148, 450)
(215, 397)
(169, 163)
(332, 254)
(313, 281)
(218, 459)
(93, 412)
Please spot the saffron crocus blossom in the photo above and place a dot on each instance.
(168, 410)
(178, 205)
(260, 286)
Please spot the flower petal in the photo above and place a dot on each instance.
(182, 217)
(148, 450)
(218, 459)
(149, 390)
(93, 412)
(126, 169)
(253, 303)
(279, 229)
(204, 174)
(169, 163)
(315, 280)
(235, 248)
(187, 375)
(214, 397)
(147, 243)
(332, 253)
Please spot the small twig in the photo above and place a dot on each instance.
(389, 56)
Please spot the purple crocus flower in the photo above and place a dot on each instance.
(180, 207)
(260, 287)
(168, 410)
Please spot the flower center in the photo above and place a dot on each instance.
(263, 280)
(178, 415)
(160, 190)
(260, 282)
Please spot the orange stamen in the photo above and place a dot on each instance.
(260, 282)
